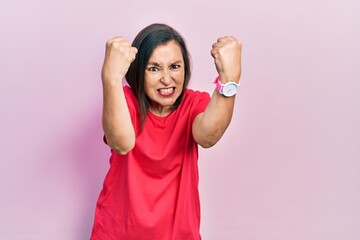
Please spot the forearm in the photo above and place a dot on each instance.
(215, 120)
(116, 120)
(210, 126)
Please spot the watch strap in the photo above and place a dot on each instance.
(220, 86)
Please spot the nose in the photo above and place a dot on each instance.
(166, 77)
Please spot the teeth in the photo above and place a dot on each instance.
(166, 90)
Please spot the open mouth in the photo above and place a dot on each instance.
(166, 91)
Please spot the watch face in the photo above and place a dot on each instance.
(229, 89)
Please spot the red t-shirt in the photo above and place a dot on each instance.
(152, 192)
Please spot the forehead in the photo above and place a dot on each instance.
(170, 51)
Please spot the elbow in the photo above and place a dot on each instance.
(208, 136)
(207, 144)
(122, 148)
(122, 151)
(209, 141)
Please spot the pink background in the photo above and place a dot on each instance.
(288, 166)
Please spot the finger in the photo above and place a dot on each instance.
(217, 44)
(214, 52)
(132, 57)
(119, 41)
(225, 38)
(117, 38)
(134, 50)
(220, 40)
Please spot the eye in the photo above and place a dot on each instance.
(175, 66)
(153, 69)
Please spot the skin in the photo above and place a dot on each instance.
(164, 77)
(116, 119)
(209, 127)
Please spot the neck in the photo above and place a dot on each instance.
(160, 111)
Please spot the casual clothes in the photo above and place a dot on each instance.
(152, 192)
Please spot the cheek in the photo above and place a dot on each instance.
(147, 89)
(179, 76)
(149, 84)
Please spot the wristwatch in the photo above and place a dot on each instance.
(228, 89)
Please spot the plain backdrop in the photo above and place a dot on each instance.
(287, 168)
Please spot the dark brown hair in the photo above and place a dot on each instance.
(146, 41)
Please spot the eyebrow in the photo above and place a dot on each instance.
(159, 65)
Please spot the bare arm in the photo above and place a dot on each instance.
(209, 127)
(116, 120)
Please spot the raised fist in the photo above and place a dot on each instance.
(118, 56)
(227, 57)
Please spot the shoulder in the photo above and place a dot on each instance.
(129, 95)
(194, 103)
(131, 100)
(128, 91)
(193, 96)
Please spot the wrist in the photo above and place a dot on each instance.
(227, 89)
(225, 79)
(112, 80)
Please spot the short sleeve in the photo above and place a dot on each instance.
(199, 103)
(132, 102)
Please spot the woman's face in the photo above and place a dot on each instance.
(164, 77)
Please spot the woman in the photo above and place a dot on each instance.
(154, 127)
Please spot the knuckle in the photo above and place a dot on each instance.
(109, 43)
